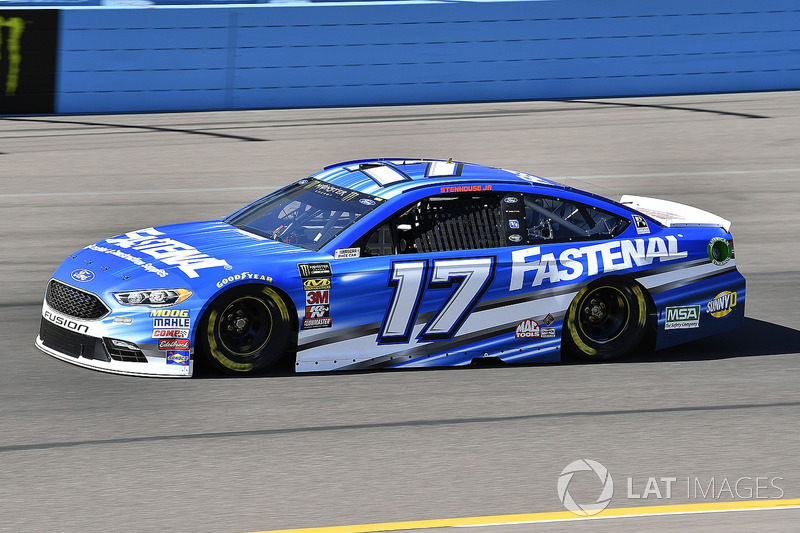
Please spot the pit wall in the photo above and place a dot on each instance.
(176, 58)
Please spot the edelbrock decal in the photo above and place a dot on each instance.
(591, 260)
(169, 251)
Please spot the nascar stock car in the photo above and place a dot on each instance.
(397, 263)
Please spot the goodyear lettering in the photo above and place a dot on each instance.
(169, 251)
(591, 260)
(65, 322)
(316, 284)
(722, 304)
(15, 27)
(175, 313)
(243, 275)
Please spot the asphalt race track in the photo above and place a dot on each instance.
(83, 451)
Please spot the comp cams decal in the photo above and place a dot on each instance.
(168, 251)
(591, 260)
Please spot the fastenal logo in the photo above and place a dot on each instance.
(585, 465)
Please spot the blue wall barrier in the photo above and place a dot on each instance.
(161, 58)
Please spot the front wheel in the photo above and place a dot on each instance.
(246, 330)
(606, 320)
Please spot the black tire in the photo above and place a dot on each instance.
(246, 330)
(606, 320)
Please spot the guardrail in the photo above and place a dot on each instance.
(159, 58)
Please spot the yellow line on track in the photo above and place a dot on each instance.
(529, 518)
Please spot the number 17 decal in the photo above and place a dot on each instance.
(471, 278)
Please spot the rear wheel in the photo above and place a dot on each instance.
(606, 320)
(246, 330)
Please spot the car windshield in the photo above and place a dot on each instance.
(308, 213)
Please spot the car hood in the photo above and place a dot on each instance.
(167, 255)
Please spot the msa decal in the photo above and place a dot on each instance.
(642, 228)
(722, 304)
(527, 329)
(65, 322)
(469, 279)
(173, 344)
(316, 284)
(175, 357)
(574, 263)
(347, 253)
(314, 270)
(243, 275)
(169, 251)
(682, 317)
(173, 333)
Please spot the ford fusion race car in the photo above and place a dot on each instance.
(397, 263)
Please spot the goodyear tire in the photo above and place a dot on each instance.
(246, 330)
(606, 320)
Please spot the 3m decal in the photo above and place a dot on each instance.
(178, 358)
(642, 228)
(527, 329)
(173, 344)
(315, 284)
(347, 253)
(682, 317)
(317, 297)
(314, 270)
(471, 278)
(244, 275)
(722, 304)
(573, 263)
(169, 251)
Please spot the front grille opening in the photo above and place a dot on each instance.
(74, 302)
(70, 343)
(123, 354)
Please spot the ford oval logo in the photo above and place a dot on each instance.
(82, 274)
(510, 199)
(367, 201)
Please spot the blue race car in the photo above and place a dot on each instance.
(397, 263)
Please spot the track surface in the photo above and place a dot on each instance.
(84, 451)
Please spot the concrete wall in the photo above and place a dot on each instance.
(304, 55)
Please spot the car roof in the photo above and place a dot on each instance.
(388, 177)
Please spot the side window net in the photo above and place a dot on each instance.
(451, 223)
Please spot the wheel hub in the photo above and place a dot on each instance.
(596, 311)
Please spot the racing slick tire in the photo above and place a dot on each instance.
(606, 320)
(246, 330)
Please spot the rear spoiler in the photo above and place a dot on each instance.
(673, 214)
